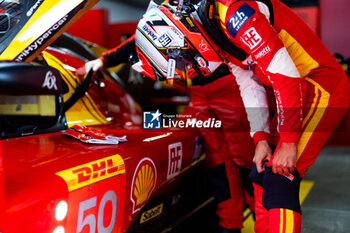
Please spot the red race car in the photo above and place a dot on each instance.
(107, 173)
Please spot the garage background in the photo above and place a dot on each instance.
(110, 18)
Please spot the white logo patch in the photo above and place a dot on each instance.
(174, 160)
(50, 81)
(251, 38)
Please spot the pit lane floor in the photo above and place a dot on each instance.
(325, 197)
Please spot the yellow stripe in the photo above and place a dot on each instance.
(43, 105)
(71, 175)
(312, 109)
(289, 221)
(220, 13)
(85, 111)
(281, 220)
(305, 188)
(302, 60)
(40, 22)
(320, 109)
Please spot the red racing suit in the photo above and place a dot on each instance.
(311, 89)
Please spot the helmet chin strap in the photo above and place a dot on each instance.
(171, 70)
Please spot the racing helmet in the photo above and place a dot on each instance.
(171, 43)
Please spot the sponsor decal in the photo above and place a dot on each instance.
(151, 120)
(50, 81)
(165, 40)
(201, 61)
(157, 120)
(42, 39)
(89, 173)
(251, 38)
(152, 213)
(143, 183)
(189, 21)
(34, 7)
(263, 52)
(239, 18)
(149, 32)
(174, 160)
(289, 177)
(203, 47)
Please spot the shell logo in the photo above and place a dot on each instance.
(143, 183)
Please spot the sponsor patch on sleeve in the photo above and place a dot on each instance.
(239, 18)
(251, 38)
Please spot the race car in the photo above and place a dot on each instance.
(74, 154)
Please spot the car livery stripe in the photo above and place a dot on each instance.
(92, 172)
(49, 18)
(86, 101)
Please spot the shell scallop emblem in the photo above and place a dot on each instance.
(143, 183)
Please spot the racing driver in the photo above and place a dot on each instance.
(312, 95)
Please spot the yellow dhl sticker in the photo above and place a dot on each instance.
(152, 213)
(189, 21)
(89, 173)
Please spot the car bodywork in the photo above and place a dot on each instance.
(136, 186)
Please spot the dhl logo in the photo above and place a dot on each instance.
(89, 173)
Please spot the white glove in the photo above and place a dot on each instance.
(95, 65)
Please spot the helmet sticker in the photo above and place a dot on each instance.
(165, 40)
(149, 32)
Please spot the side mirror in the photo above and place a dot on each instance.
(28, 79)
(4, 23)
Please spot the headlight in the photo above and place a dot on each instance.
(61, 212)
